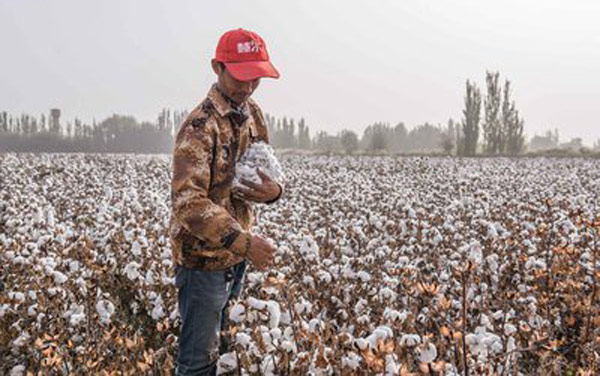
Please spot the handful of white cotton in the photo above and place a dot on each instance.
(258, 155)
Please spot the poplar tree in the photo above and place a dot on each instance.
(492, 127)
(513, 139)
(470, 122)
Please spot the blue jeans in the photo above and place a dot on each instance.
(203, 297)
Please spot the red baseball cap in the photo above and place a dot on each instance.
(245, 56)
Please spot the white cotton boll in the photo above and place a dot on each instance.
(303, 306)
(246, 172)
(363, 319)
(136, 248)
(492, 232)
(18, 370)
(243, 339)
(276, 333)
(174, 313)
(108, 193)
(158, 312)
(392, 367)
(380, 333)
(489, 339)
(59, 278)
(76, 315)
(309, 281)
(3, 309)
(227, 363)
(437, 239)
(288, 333)
(387, 294)
(496, 346)
(267, 340)
(18, 296)
(509, 329)
(511, 344)
(267, 366)
(360, 305)
(258, 155)
(131, 270)
(363, 276)
(410, 340)
(271, 291)
(21, 340)
(105, 310)
(475, 252)
(314, 325)
(237, 313)
(309, 249)
(471, 339)
(31, 311)
(38, 216)
(74, 266)
(50, 221)
(288, 346)
(361, 343)
(256, 303)
(351, 360)
(412, 213)
(393, 315)
(324, 276)
(427, 353)
(149, 279)
(32, 295)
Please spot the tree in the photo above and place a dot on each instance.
(512, 140)
(326, 142)
(548, 141)
(349, 141)
(3, 121)
(376, 136)
(303, 135)
(292, 134)
(448, 138)
(470, 123)
(492, 127)
(425, 138)
(398, 139)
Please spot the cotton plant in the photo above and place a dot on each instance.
(376, 266)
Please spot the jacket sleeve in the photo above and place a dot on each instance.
(192, 161)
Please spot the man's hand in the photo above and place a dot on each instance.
(261, 252)
(266, 191)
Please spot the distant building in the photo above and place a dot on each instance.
(545, 142)
(575, 144)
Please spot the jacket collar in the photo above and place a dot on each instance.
(224, 105)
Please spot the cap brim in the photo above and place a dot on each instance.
(251, 70)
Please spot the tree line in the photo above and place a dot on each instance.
(115, 134)
(502, 127)
(490, 125)
(125, 134)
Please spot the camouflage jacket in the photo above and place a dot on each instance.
(209, 228)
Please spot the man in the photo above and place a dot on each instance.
(210, 222)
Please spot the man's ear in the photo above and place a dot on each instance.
(217, 66)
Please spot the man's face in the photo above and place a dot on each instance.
(238, 91)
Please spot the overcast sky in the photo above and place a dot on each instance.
(344, 64)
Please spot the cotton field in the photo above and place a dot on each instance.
(385, 266)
